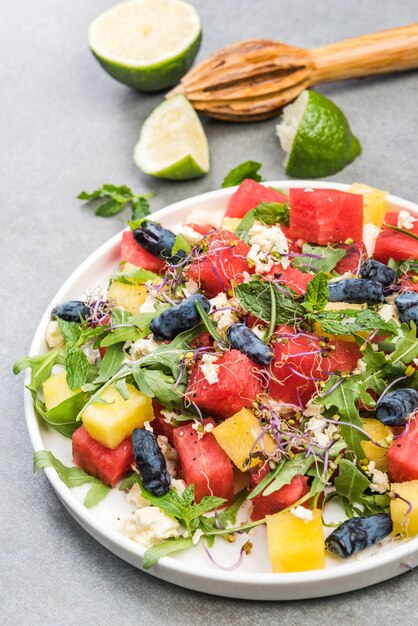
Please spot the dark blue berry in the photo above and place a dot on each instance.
(244, 340)
(381, 273)
(158, 241)
(179, 317)
(358, 533)
(150, 462)
(71, 311)
(407, 305)
(356, 291)
(395, 406)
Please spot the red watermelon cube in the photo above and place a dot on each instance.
(239, 382)
(298, 367)
(280, 499)
(160, 426)
(97, 460)
(224, 261)
(391, 244)
(290, 277)
(203, 463)
(133, 253)
(249, 195)
(325, 216)
(354, 254)
(403, 456)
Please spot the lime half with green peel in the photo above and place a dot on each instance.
(146, 44)
(316, 136)
(173, 143)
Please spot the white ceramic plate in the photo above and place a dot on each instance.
(192, 569)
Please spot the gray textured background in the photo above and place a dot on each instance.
(66, 126)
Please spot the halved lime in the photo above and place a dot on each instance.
(316, 136)
(146, 44)
(172, 143)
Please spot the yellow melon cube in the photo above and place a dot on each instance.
(111, 423)
(129, 297)
(378, 432)
(405, 523)
(56, 390)
(295, 545)
(374, 203)
(237, 435)
(230, 223)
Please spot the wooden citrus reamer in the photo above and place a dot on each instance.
(252, 80)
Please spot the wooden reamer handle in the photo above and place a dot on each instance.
(387, 51)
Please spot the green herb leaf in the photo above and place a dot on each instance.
(329, 258)
(71, 476)
(245, 226)
(352, 322)
(317, 294)
(404, 231)
(273, 213)
(255, 297)
(406, 345)
(136, 276)
(284, 474)
(248, 169)
(77, 367)
(71, 331)
(229, 515)
(157, 552)
(181, 243)
(111, 363)
(41, 366)
(210, 327)
(350, 482)
(111, 200)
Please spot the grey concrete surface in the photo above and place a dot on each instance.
(66, 126)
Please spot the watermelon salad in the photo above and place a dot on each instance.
(247, 371)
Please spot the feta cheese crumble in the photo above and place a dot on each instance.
(202, 429)
(168, 416)
(169, 453)
(223, 318)
(389, 312)
(264, 240)
(201, 217)
(209, 368)
(301, 513)
(322, 431)
(190, 235)
(380, 480)
(370, 234)
(406, 220)
(148, 306)
(148, 526)
(143, 346)
(53, 336)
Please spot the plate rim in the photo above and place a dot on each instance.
(168, 565)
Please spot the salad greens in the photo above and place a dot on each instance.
(248, 169)
(110, 200)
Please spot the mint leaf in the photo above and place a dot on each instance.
(317, 294)
(328, 258)
(255, 297)
(157, 552)
(248, 169)
(352, 322)
(77, 367)
(273, 213)
(71, 476)
(71, 331)
(110, 200)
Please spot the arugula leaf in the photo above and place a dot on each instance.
(404, 231)
(406, 345)
(41, 366)
(351, 482)
(72, 476)
(329, 258)
(157, 552)
(283, 474)
(111, 362)
(210, 327)
(130, 327)
(63, 416)
(255, 297)
(111, 200)
(317, 294)
(273, 213)
(245, 225)
(248, 169)
(229, 515)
